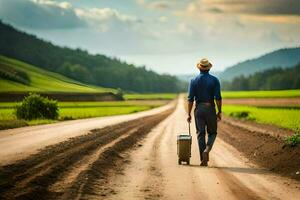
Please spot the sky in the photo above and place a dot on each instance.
(167, 36)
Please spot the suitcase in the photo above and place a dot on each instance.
(184, 143)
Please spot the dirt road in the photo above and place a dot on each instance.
(154, 174)
(137, 160)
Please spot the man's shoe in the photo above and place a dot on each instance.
(205, 159)
(208, 149)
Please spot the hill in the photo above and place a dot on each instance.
(283, 58)
(271, 79)
(80, 65)
(17, 76)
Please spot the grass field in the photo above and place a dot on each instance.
(158, 96)
(282, 117)
(42, 80)
(77, 110)
(261, 94)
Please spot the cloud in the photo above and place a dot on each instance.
(40, 14)
(256, 7)
(163, 5)
(160, 5)
(107, 19)
(104, 14)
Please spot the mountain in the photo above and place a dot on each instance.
(187, 77)
(80, 65)
(17, 76)
(283, 58)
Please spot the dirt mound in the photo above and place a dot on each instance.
(263, 149)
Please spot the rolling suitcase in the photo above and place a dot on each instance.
(184, 143)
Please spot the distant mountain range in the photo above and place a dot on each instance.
(283, 58)
(188, 77)
(81, 66)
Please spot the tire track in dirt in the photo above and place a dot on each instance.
(142, 178)
(153, 183)
(71, 174)
(37, 176)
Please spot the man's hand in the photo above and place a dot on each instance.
(219, 116)
(189, 119)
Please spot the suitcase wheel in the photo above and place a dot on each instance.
(179, 162)
(188, 162)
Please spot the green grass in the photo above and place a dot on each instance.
(261, 94)
(286, 118)
(77, 110)
(158, 96)
(42, 80)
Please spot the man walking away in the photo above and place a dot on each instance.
(204, 89)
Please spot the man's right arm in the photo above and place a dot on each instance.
(219, 105)
(191, 97)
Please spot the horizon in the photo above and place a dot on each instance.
(161, 34)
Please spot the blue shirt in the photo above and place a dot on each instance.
(204, 88)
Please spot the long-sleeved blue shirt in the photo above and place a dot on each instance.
(204, 88)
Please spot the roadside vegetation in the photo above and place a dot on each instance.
(35, 106)
(293, 140)
(282, 117)
(77, 110)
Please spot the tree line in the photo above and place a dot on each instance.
(272, 79)
(80, 65)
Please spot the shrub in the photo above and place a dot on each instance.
(242, 115)
(35, 106)
(293, 140)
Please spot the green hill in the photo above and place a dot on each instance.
(81, 66)
(17, 76)
(271, 79)
(283, 58)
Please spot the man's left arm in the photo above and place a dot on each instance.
(218, 99)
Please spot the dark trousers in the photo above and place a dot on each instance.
(206, 120)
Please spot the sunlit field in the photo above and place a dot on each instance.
(261, 94)
(282, 117)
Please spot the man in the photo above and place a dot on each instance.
(204, 89)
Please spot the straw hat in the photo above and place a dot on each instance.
(204, 64)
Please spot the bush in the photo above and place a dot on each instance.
(242, 115)
(35, 106)
(293, 140)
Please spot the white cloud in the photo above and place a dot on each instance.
(64, 5)
(104, 14)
